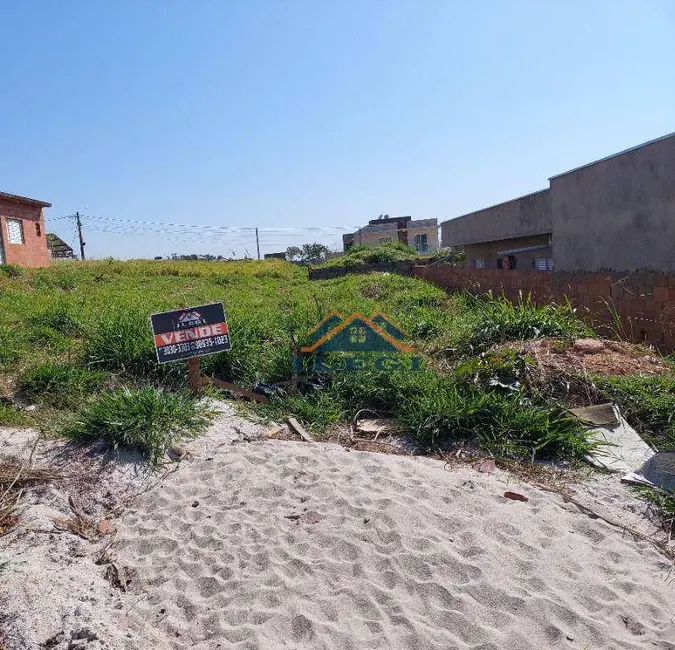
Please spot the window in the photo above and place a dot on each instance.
(38, 229)
(479, 264)
(421, 243)
(14, 231)
(543, 264)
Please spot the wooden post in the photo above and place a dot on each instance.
(195, 376)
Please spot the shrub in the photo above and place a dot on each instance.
(59, 384)
(364, 254)
(149, 419)
(500, 320)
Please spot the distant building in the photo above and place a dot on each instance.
(58, 249)
(275, 256)
(422, 234)
(617, 213)
(22, 231)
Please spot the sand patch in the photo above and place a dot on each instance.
(277, 544)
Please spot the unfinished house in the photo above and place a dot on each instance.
(422, 234)
(617, 213)
(23, 240)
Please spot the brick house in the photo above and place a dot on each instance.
(23, 240)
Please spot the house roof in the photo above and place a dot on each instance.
(496, 205)
(56, 243)
(614, 155)
(24, 199)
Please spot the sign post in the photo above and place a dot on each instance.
(191, 333)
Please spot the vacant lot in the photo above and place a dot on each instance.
(75, 339)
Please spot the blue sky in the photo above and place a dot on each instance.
(318, 112)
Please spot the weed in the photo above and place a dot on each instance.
(647, 402)
(363, 254)
(149, 419)
(11, 270)
(663, 502)
(501, 320)
(59, 384)
(12, 416)
(58, 319)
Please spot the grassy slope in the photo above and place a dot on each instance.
(75, 329)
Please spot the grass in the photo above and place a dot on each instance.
(364, 254)
(149, 419)
(647, 402)
(501, 320)
(59, 384)
(72, 330)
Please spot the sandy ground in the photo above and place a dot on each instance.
(272, 544)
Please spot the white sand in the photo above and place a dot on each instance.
(272, 544)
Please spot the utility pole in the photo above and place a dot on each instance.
(79, 232)
(257, 242)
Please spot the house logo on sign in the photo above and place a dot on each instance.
(365, 343)
(190, 319)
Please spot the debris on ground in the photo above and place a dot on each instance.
(658, 472)
(298, 428)
(516, 496)
(591, 356)
(620, 448)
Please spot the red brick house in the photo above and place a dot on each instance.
(23, 240)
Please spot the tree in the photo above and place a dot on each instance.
(313, 253)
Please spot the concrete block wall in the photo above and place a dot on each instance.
(638, 306)
(33, 252)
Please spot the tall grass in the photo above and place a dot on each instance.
(148, 419)
(500, 320)
(60, 385)
(68, 331)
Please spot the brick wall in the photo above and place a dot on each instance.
(33, 252)
(641, 305)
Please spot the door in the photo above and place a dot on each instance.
(2, 248)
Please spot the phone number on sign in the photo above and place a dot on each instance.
(201, 344)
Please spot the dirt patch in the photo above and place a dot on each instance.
(591, 356)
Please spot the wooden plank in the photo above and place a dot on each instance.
(195, 376)
(297, 427)
(237, 390)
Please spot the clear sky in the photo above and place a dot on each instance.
(301, 113)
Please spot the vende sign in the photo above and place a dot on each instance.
(190, 332)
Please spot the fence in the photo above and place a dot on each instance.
(638, 306)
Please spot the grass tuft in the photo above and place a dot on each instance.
(148, 419)
(59, 384)
(501, 320)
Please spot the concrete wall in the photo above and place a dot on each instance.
(488, 251)
(33, 252)
(528, 215)
(618, 213)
